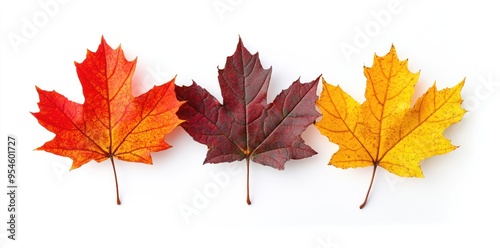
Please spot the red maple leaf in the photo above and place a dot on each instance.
(111, 123)
(245, 126)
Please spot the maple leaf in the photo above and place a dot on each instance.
(111, 123)
(245, 126)
(384, 131)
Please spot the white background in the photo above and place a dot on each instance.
(309, 204)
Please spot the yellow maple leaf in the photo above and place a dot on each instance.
(385, 130)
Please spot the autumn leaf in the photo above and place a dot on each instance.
(245, 126)
(384, 131)
(111, 123)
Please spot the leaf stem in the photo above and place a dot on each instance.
(248, 179)
(369, 188)
(116, 182)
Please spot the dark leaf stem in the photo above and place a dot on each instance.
(116, 182)
(369, 188)
(248, 181)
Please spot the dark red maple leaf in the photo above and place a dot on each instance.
(245, 126)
